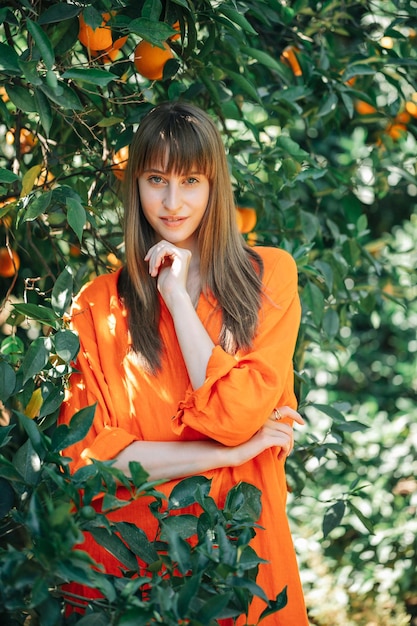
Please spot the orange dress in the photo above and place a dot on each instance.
(235, 400)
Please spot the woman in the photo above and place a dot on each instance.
(187, 350)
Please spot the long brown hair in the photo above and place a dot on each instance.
(188, 140)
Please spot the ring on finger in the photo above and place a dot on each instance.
(277, 415)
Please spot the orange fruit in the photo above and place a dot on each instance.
(3, 94)
(396, 131)
(119, 161)
(95, 38)
(363, 108)
(246, 219)
(113, 261)
(411, 108)
(44, 178)
(110, 54)
(27, 139)
(150, 60)
(9, 262)
(289, 57)
(176, 26)
(74, 250)
(403, 117)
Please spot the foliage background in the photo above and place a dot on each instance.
(325, 153)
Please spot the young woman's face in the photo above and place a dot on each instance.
(174, 204)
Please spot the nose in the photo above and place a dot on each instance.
(172, 197)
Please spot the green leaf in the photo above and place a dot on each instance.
(62, 292)
(276, 605)
(21, 98)
(244, 502)
(58, 13)
(152, 10)
(30, 72)
(66, 435)
(76, 216)
(352, 426)
(310, 225)
(244, 84)
(36, 357)
(329, 104)
(34, 434)
(44, 110)
(331, 411)
(4, 435)
(333, 517)
(351, 251)
(154, 32)
(8, 177)
(37, 312)
(110, 121)
(138, 475)
(180, 552)
(314, 301)
(184, 526)
(331, 323)
(188, 591)
(67, 345)
(7, 380)
(42, 42)
(236, 18)
(184, 493)
(113, 544)
(365, 520)
(292, 148)
(9, 471)
(9, 61)
(37, 206)
(53, 397)
(65, 97)
(265, 59)
(213, 608)
(138, 542)
(91, 75)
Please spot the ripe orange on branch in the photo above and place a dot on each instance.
(9, 262)
(289, 57)
(95, 38)
(246, 219)
(27, 139)
(363, 108)
(119, 161)
(150, 60)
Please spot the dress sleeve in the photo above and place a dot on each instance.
(241, 391)
(88, 385)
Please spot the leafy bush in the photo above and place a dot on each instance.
(172, 582)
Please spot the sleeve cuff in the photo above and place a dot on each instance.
(106, 446)
(219, 365)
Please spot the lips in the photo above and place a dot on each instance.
(173, 221)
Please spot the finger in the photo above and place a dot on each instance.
(286, 412)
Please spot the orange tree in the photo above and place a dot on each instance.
(317, 103)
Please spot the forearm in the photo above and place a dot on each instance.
(195, 343)
(175, 459)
